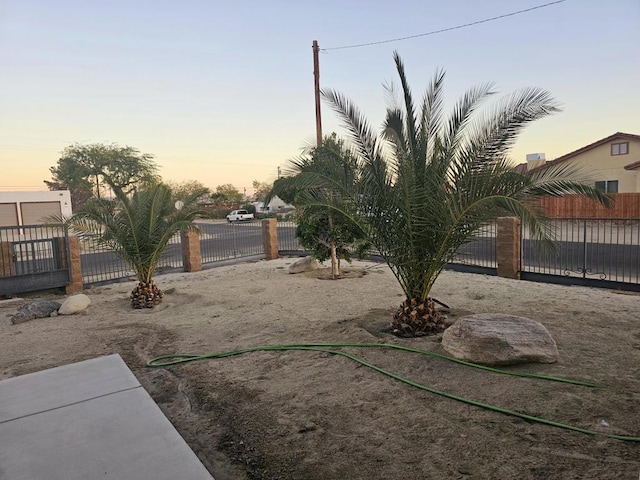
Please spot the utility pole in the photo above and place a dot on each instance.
(316, 81)
(335, 270)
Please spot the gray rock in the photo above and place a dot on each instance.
(74, 304)
(36, 309)
(305, 264)
(499, 339)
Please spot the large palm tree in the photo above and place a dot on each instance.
(428, 182)
(137, 228)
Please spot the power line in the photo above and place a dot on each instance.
(445, 29)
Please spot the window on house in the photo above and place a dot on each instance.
(607, 186)
(620, 148)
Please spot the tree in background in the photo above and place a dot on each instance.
(226, 195)
(261, 190)
(249, 207)
(189, 188)
(69, 175)
(82, 170)
(285, 191)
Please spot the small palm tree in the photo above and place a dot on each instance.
(428, 182)
(137, 228)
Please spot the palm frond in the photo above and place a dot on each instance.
(493, 134)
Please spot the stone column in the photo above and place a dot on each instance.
(6, 259)
(75, 267)
(270, 237)
(191, 256)
(508, 246)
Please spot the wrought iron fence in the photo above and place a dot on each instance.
(34, 248)
(287, 240)
(481, 251)
(227, 241)
(33, 257)
(605, 249)
(103, 265)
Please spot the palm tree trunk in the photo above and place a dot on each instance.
(146, 295)
(417, 317)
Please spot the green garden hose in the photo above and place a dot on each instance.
(176, 359)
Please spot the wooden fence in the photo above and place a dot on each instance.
(626, 205)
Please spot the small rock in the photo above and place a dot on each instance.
(465, 469)
(74, 304)
(305, 264)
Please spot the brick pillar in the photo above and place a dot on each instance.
(508, 246)
(75, 271)
(191, 257)
(6, 259)
(270, 237)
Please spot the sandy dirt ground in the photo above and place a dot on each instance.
(310, 415)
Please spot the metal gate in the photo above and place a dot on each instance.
(599, 252)
(33, 258)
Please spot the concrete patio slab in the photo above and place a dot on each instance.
(88, 420)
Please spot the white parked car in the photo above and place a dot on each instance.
(239, 216)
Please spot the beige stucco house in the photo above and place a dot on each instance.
(613, 162)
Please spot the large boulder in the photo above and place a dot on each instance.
(305, 264)
(35, 309)
(499, 339)
(74, 304)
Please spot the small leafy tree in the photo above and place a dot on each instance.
(317, 235)
(138, 228)
(325, 224)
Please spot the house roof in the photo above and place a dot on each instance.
(615, 136)
(523, 167)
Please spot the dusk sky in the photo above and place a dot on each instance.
(222, 92)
